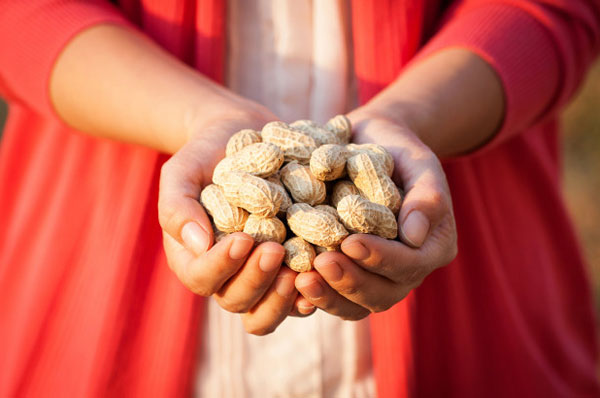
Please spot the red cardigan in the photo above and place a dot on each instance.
(88, 306)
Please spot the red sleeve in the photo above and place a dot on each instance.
(33, 33)
(539, 49)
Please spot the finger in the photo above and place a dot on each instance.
(425, 205)
(312, 286)
(241, 292)
(302, 307)
(399, 262)
(275, 305)
(206, 274)
(358, 285)
(179, 211)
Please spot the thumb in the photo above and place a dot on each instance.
(179, 211)
(426, 203)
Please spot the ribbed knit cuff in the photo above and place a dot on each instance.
(32, 35)
(518, 48)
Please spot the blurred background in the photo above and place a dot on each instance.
(581, 168)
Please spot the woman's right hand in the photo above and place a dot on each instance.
(242, 280)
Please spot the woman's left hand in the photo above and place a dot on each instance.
(371, 274)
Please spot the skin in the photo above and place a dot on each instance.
(110, 82)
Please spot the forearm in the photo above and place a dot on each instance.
(452, 100)
(113, 82)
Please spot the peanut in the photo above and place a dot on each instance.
(341, 189)
(317, 227)
(295, 144)
(362, 216)
(328, 162)
(328, 209)
(318, 133)
(303, 186)
(299, 254)
(225, 166)
(251, 193)
(240, 140)
(261, 159)
(265, 229)
(341, 127)
(321, 249)
(375, 152)
(372, 182)
(286, 201)
(227, 218)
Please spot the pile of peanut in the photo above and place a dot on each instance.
(282, 175)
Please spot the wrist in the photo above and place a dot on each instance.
(225, 108)
(408, 115)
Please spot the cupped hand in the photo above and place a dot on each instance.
(371, 274)
(242, 279)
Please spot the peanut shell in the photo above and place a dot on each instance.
(328, 162)
(377, 153)
(299, 254)
(342, 188)
(251, 193)
(318, 133)
(372, 183)
(240, 140)
(340, 125)
(314, 226)
(302, 185)
(295, 144)
(360, 215)
(227, 218)
(265, 229)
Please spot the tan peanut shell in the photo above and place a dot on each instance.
(240, 140)
(359, 215)
(265, 229)
(317, 227)
(299, 254)
(342, 188)
(286, 201)
(328, 209)
(340, 125)
(260, 159)
(321, 249)
(251, 193)
(225, 166)
(328, 162)
(318, 133)
(302, 185)
(376, 152)
(227, 218)
(295, 144)
(372, 183)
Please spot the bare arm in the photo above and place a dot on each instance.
(113, 82)
(452, 100)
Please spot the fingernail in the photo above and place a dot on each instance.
(313, 290)
(270, 261)
(284, 287)
(415, 228)
(355, 250)
(306, 309)
(240, 248)
(330, 271)
(195, 237)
